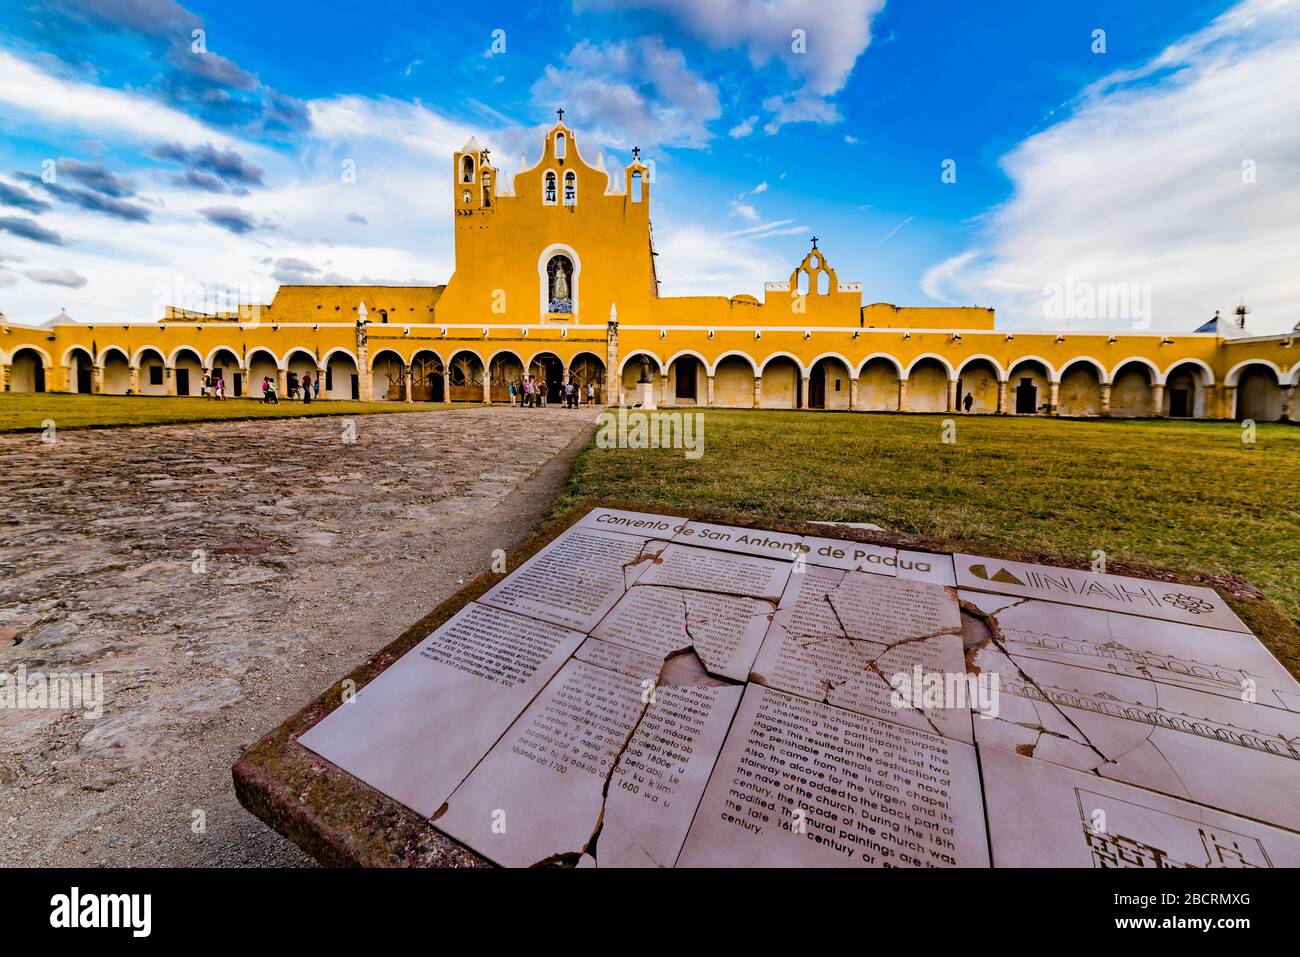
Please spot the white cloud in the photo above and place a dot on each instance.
(401, 155)
(743, 128)
(37, 97)
(835, 31)
(1143, 184)
(694, 261)
(57, 277)
(631, 93)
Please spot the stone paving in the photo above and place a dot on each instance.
(219, 575)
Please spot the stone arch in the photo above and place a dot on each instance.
(1141, 360)
(342, 374)
(781, 373)
(115, 364)
(151, 369)
(465, 376)
(428, 378)
(27, 369)
(1234, 374)
(262, 364)
(629, 377)
(627, 361)
(982, 357)
(223, 363)
(387, 376)
(829, 376)
(879, 377)
(214, 355)
(1132, 388)
(1029, 385)
(687, 379)
(1259, 390)
(928, 377)
(547, 367)
(733, 380)
(505, 368)
(1187, 392)
(762, 366)
(981, 378)
(187, 370)
(737, 353)
(1079, 393)
(588, 369)
(80, 366)
(301, 353)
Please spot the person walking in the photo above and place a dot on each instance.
(316, 385)
(205, 388)
(591, 393)
(968, 401)
(306, 388)
(511, 389)
(221, 388)
(268, 392)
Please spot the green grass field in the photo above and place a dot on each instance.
(20, 412)
(1186, 495)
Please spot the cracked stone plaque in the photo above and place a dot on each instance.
(605, 768)
(1188, 604)
(1188, 744)
(397, 733)
(724, 630)
(1041, 815)
(879, 559)
(850, 638)
(577, 578)
(1228, 664)
(706, 569)
(805, 784)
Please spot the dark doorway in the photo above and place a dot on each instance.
(687, 378)
(239, 384)
(38, 378)
(552, 373)
(356, 386)
(817, 388)
(1026, 397)
(1180, 403)
(83, 378)
(182, 381)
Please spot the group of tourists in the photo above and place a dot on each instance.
(532, 393)
(306, 389)
(214, 387)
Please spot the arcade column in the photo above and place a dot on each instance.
(853, 395)
(710, 392)
(1158, 400)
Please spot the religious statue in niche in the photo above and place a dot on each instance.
(559, 276)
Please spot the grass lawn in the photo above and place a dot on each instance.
(26, 411)
(1189, 496)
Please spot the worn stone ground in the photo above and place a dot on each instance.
(318, 554)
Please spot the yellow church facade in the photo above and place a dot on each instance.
(555, 278)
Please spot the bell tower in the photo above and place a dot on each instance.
(474, 179)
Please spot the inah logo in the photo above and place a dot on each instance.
(103, 910)
(1001, 575)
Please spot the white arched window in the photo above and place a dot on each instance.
(636, 187)
(466, 169)
(559, 146)
(570, 188)
(549, 188)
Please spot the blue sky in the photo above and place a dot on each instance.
(186, 174)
